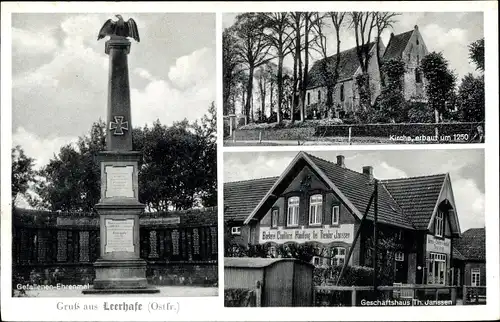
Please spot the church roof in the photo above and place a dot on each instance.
(472, 245)
(349, 63)
(396, 45)
(407, 202)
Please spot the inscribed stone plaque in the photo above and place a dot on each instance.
(119, 181)
(119, 235)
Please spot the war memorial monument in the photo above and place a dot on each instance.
(119, 268)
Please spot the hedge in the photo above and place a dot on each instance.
(239, 297)
(399, 129)
(312, 130)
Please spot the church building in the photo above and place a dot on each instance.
(408, 46)
(323, 202)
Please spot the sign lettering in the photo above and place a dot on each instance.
(438, 245)
(344, 233)
(119, 235)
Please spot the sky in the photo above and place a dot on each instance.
(446, 32)
(466, 169)
(60, 74)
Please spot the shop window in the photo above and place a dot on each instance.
(315, 209)
(475, 277)
(274, 218)
(399, 257)
(338, 256)
(235, 230)
(335, 215)
(439, 224)
(436, 269)
(292, 218)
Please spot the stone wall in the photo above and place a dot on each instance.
(181, 248)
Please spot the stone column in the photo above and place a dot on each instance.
(119, 268)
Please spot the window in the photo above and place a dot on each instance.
(475, 277)
(308, 98)
(418, 76)
(439, 224)
(316, 261)
(319, 96)
(272, 252)
(338, 256)
(292, 218)
(235, 230)
(315, 209)
(436, 269)
(418, 41)
(335, 215)
(399, 257)
(342, 97)
(274, 218)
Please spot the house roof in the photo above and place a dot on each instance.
(472, 245)
(357, 188)
(396, 45)
(241, 197)
(348, 65)
(417, 196)
(407, 202)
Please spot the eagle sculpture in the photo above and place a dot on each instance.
(119, 28)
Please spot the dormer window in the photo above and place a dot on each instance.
(315, 209)
(439, 224)
(292, 218)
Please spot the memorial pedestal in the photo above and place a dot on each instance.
(119, 268)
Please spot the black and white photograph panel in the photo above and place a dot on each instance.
(114, 156)
(308, 78)
(354, 228)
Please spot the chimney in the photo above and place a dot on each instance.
(340, 161)
(368, 171)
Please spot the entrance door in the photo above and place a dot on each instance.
(400, 268)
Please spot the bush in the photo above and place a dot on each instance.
(353, 276)
(239, 297)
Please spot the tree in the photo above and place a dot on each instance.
(363, 24)
(277, 24)
(440, 83)
(329, 74)
(230, 63)
(310, 19)
(392, 101)
(383, 21)
(476, 53)
(23, 173)
(470, 98)
(296, 23)
(178, 169)
(252, 48)
(71, 180)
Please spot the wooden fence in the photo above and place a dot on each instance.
(405, 294)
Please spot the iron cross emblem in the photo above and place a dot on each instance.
(118, 125)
